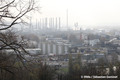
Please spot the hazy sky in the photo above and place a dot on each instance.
(85, 12)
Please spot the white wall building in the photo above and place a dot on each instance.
(54, 46)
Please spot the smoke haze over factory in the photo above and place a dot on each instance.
(85, 12)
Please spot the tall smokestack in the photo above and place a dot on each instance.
(49, 22)
(67, 18)
(59, 23)
(56, 22)
(30, 25)
(43, 27)
(36, 24)
(53, 23)
(45, 23)
(40, 26)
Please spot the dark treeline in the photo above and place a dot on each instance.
(14, 69)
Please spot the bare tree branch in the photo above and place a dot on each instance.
(7, 4)
(21, 10)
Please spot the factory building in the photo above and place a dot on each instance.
(54, 46)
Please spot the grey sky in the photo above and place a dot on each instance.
(85, 12)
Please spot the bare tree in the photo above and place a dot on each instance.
(12, 12)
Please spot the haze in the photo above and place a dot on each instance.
(85, 12)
